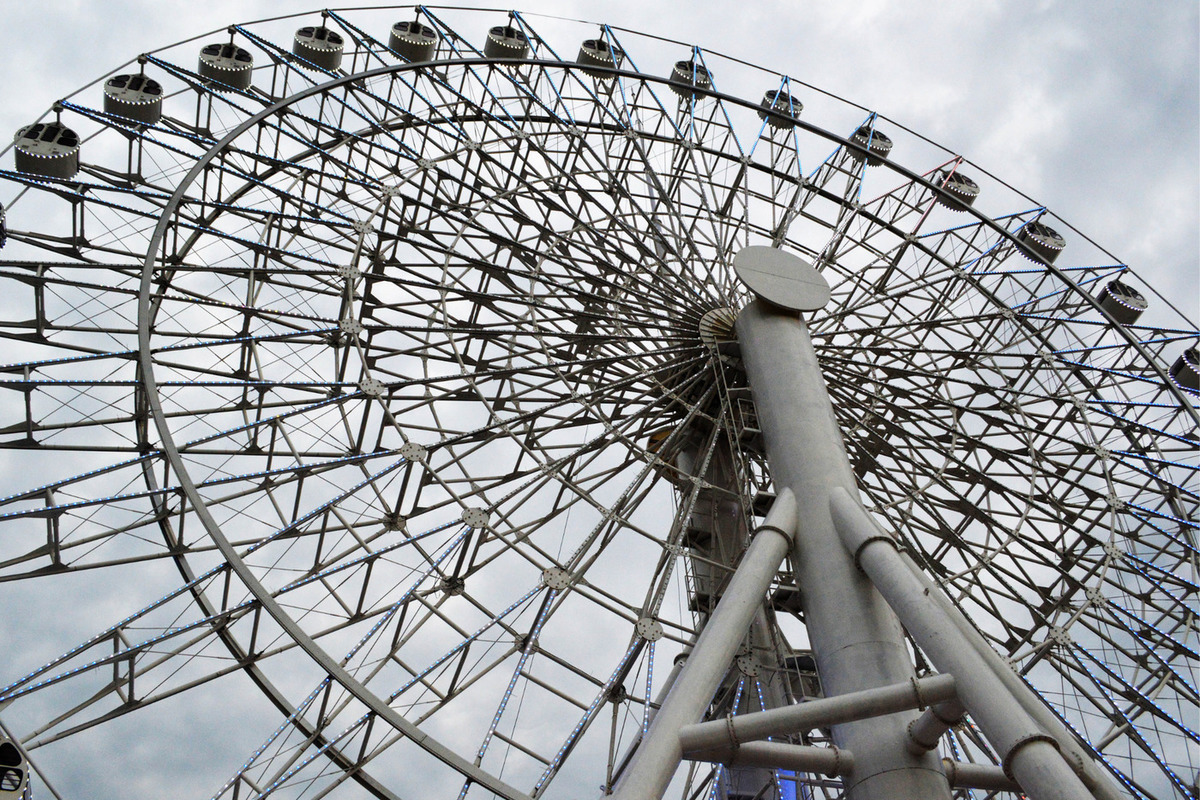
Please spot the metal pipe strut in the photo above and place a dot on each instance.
(926, 731)
(978, 776)
(835, 762)
(744, 728)
(1030, 755)
(1093, 776)
(830, 761)
(659, 699)
(658, 756)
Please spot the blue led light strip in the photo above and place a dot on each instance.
(526, 652)
(603, 694)
(387, 616)
(463, 644)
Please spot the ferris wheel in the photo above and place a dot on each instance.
(394, 397)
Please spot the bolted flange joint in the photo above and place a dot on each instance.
(1021, 743)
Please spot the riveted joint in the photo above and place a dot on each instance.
(916, 684)
(915, 740)
(731, 732)
(791, 540)
(835, 770)
(1075, 762)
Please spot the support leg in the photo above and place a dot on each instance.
(659, 755)
(1031, 755)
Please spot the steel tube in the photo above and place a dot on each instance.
(1094, 778)
(657, 758)
(927, 730)
(816, 714)
(1031, 756)
(978, 776)
(856, 640)
(716, 534)
(663, 692)
(830, 761)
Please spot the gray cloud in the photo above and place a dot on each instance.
(1098, 103)
(1090, 108)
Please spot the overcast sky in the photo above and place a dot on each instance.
(1091, 108)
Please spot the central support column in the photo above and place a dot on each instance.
(856, 639)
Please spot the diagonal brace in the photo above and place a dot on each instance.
(1030, 755)
(865, 704)
(659, 754)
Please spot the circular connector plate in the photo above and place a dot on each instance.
(649, 629)
(781, 278)
(475, 517)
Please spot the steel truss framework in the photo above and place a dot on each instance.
(408, 394)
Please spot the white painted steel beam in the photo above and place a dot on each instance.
(978, 776)
(856, 639)
(834, 762)
(658, 756)
(1092, 774)
(822, 713)
(1030, 754)
(829, 761)
(925, 733)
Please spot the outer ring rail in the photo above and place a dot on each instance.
(330, 665)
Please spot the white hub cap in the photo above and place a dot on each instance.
(781, 278)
